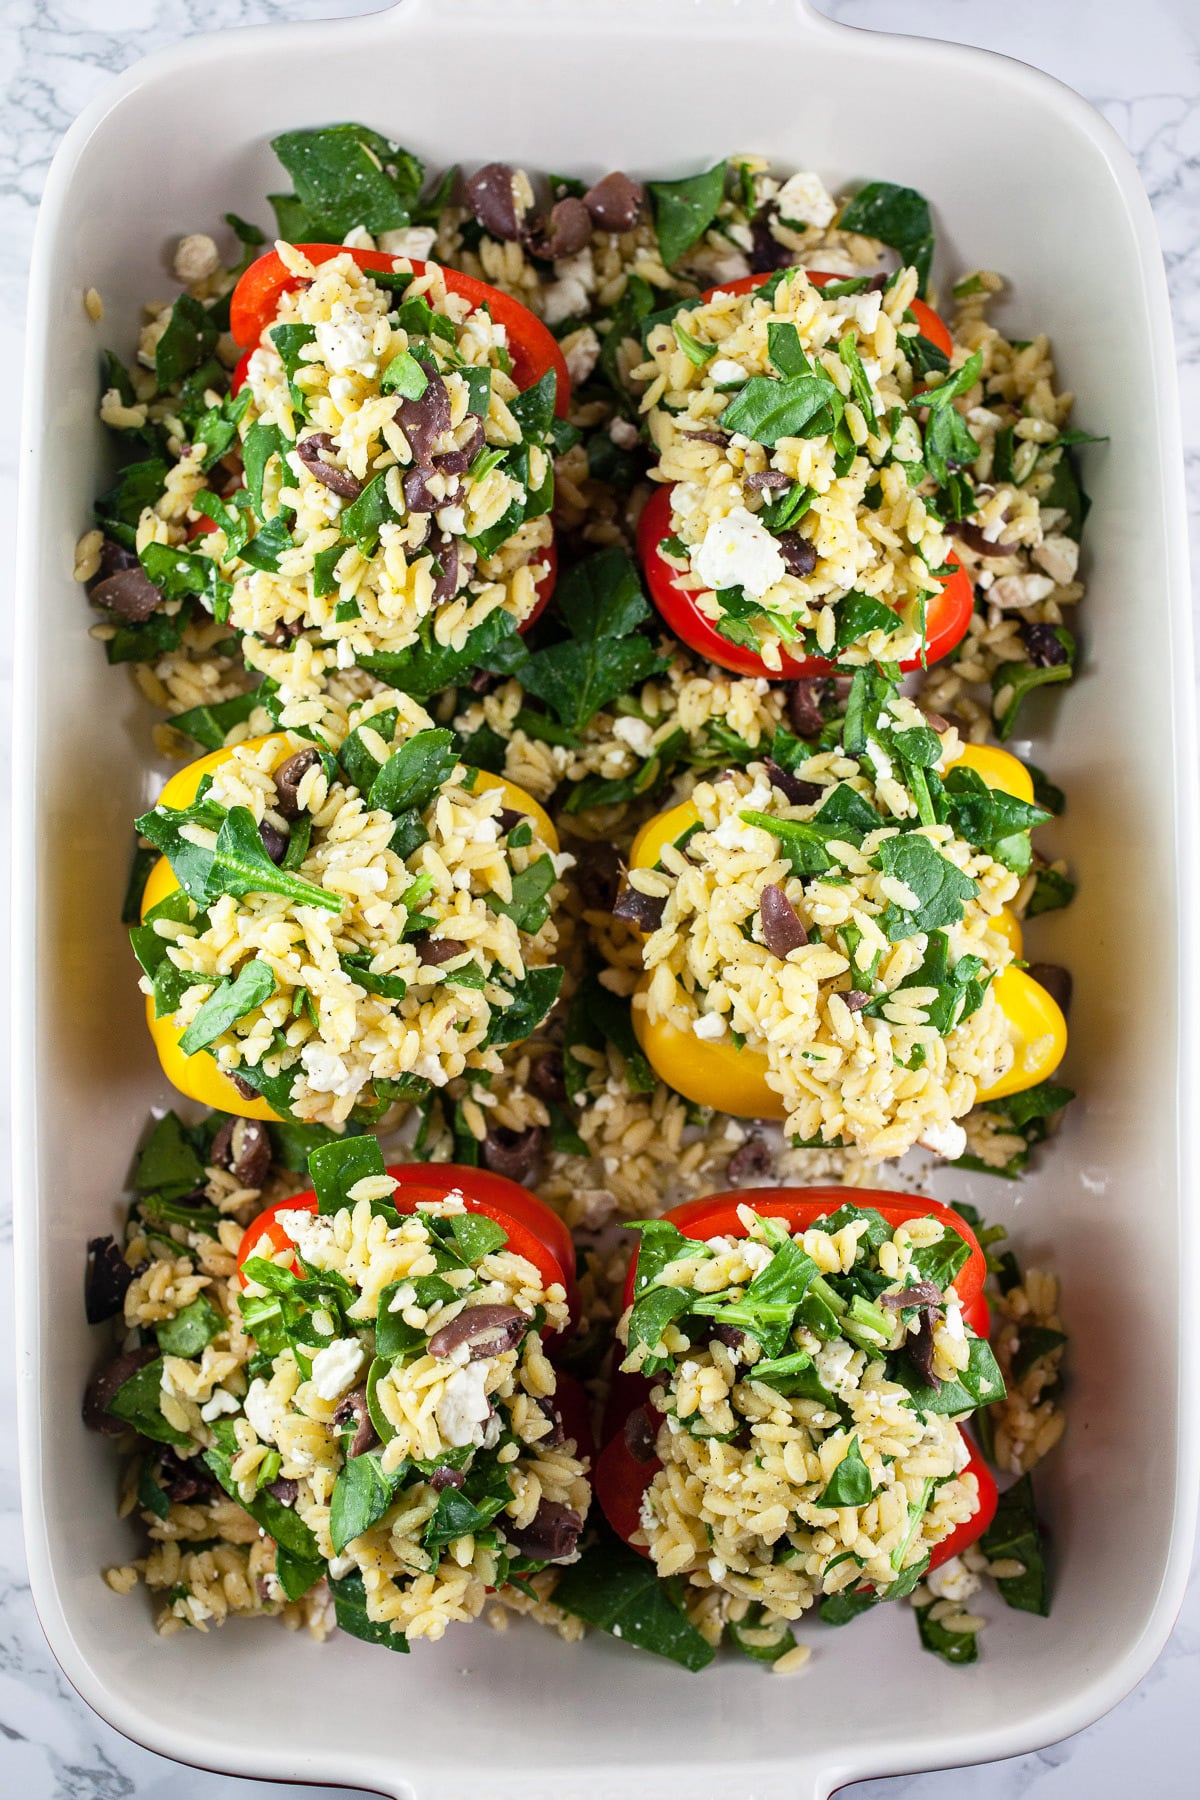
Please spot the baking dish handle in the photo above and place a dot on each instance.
(798, 17)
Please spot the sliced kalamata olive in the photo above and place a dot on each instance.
(1057, 981)
(288, 778)
(107, 1280)
(804, 708)
(316, 452)
(283, 1489)
(615, 202)
(244, 1088)
(485, 1330)
(556, 1434)
(513, 1153)
(426, 419)
(446, 1478)
(104, 1385)
(418, 496)
(920, 1349)
(800, 793)
(273, 842)
(115, 557)
(643, 910)
(354, 1406)
(183, 1478)
(457, 462)
(640, 1435)
(752, 1161)
(768, 478)
(732, 1336)
(433, 950)
(129, 595)
(243, 1146)
(1043, 646)
(936, 722)
(546, 1078)
(509, 819)
(766, 251)
(799, 553)
(490, 196)
(445, 585)
(565, 232)
(972, 536)
(782, 928)
(551, 1534)
(921, 1293)
(598, 876)
(284, 633)
(483, 681)
(854, 1000)
(720, 438)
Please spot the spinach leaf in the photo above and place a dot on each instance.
(684, 210)
(766, 410)
(470, 1508)
(190, 336)
(138, 1402)
(259, 445)
(297, 1574)
(350, 1611)
(614, 1588)
(661, 1243)
(802, 841)
(393, 1337)
(857, 614)
(986, 816)
(600, 601)
(180, 573)
(278, 1521)
(404, 376)
(1034, 1342)
(697, 353)
(476, 1235)
(364, 517)
(237, 864)
(1011, 682)
(785, 350)
(149, 1494)
(346, 175)
(1067, 491)
(414, 773)
(850, 1484)
(1015, 1533)
(227, 1003)
(533, 996)
(940, 887)
(1052, 890)
(529, 907)
(211, 725)
(292, 1144)
(598, 1016)
(140, 866)
(533, 409)
(851, 1603)
(335, 1167)
(168, 1159)
(649, 1318)
(138, 486)
(361, 1496)
(192, 1327)
(426, 668)
(899, 217)
(951, 1646)
(979, 1384)
(746, 1635)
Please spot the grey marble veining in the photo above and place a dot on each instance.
(1140, 65)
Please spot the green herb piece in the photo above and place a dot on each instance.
(414, 773)
(850, 1484)
(529, 907)
(1014, 681)
(344, 175)
(168, 1159)
(600, 601)
(696, 352)
(227, 1003)
(211, 725)
(361, 1496)
(684, 210)
(941, 889)
(761, 1643)
(1034, 1342)
(426, 668)
(404, 376)
(189, 337)
(617, 1590)
(952, 1646)
(149, 1494)
(138, 1403)
(236, 865)
(280, 1522)
(1051, 891)
(899, 217)
(335, 1167)
(533, 997)
(180, 573)
(979, 1384)
(598, 1016)
(476, 1235)
(350, 1611)
(260, 444)
(851, 1603)
(1015, 1533)
(766, 410)
(192, 1327)
(364, 517)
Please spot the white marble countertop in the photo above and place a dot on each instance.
(1140, 66)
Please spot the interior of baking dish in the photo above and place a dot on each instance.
(1024, 179)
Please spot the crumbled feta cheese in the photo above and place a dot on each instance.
(345, 654)
(326, 1071)
(1020, 590)
(805, 200)
(953, 1581)
(756, 1256)
(832, 1363)
(1059, 556)
(635, 732)
(739, 552)
(565, 299)
(452, 520)
(724, 372)
(581, 267)
(345, 342)
(221, 1402)
(263, 1410)
(341, 1565)
(486, 831)
(880, 760)
(335, 1367)
(462, 1412)
(866, 314)
(310, 1232)
(404, 1296)
(622, 432)
(416, 241)
(709, 1027)
(954, 1322)
(581, 352)
(945, 1140)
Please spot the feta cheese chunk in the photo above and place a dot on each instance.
(949, 1140)
(462, 1412)
(805, 200)
(739, 552)
(335, 1367)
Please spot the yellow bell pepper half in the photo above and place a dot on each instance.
(199, 1076)
(734, 1081)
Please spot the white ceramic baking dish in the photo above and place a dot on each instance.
(1026, 179)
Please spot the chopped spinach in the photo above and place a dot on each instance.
(344, 175)
(684, 210)
(228, 1002)
(899, 217)
(350, 1611)
(614, 1588)
(1015, 1533)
